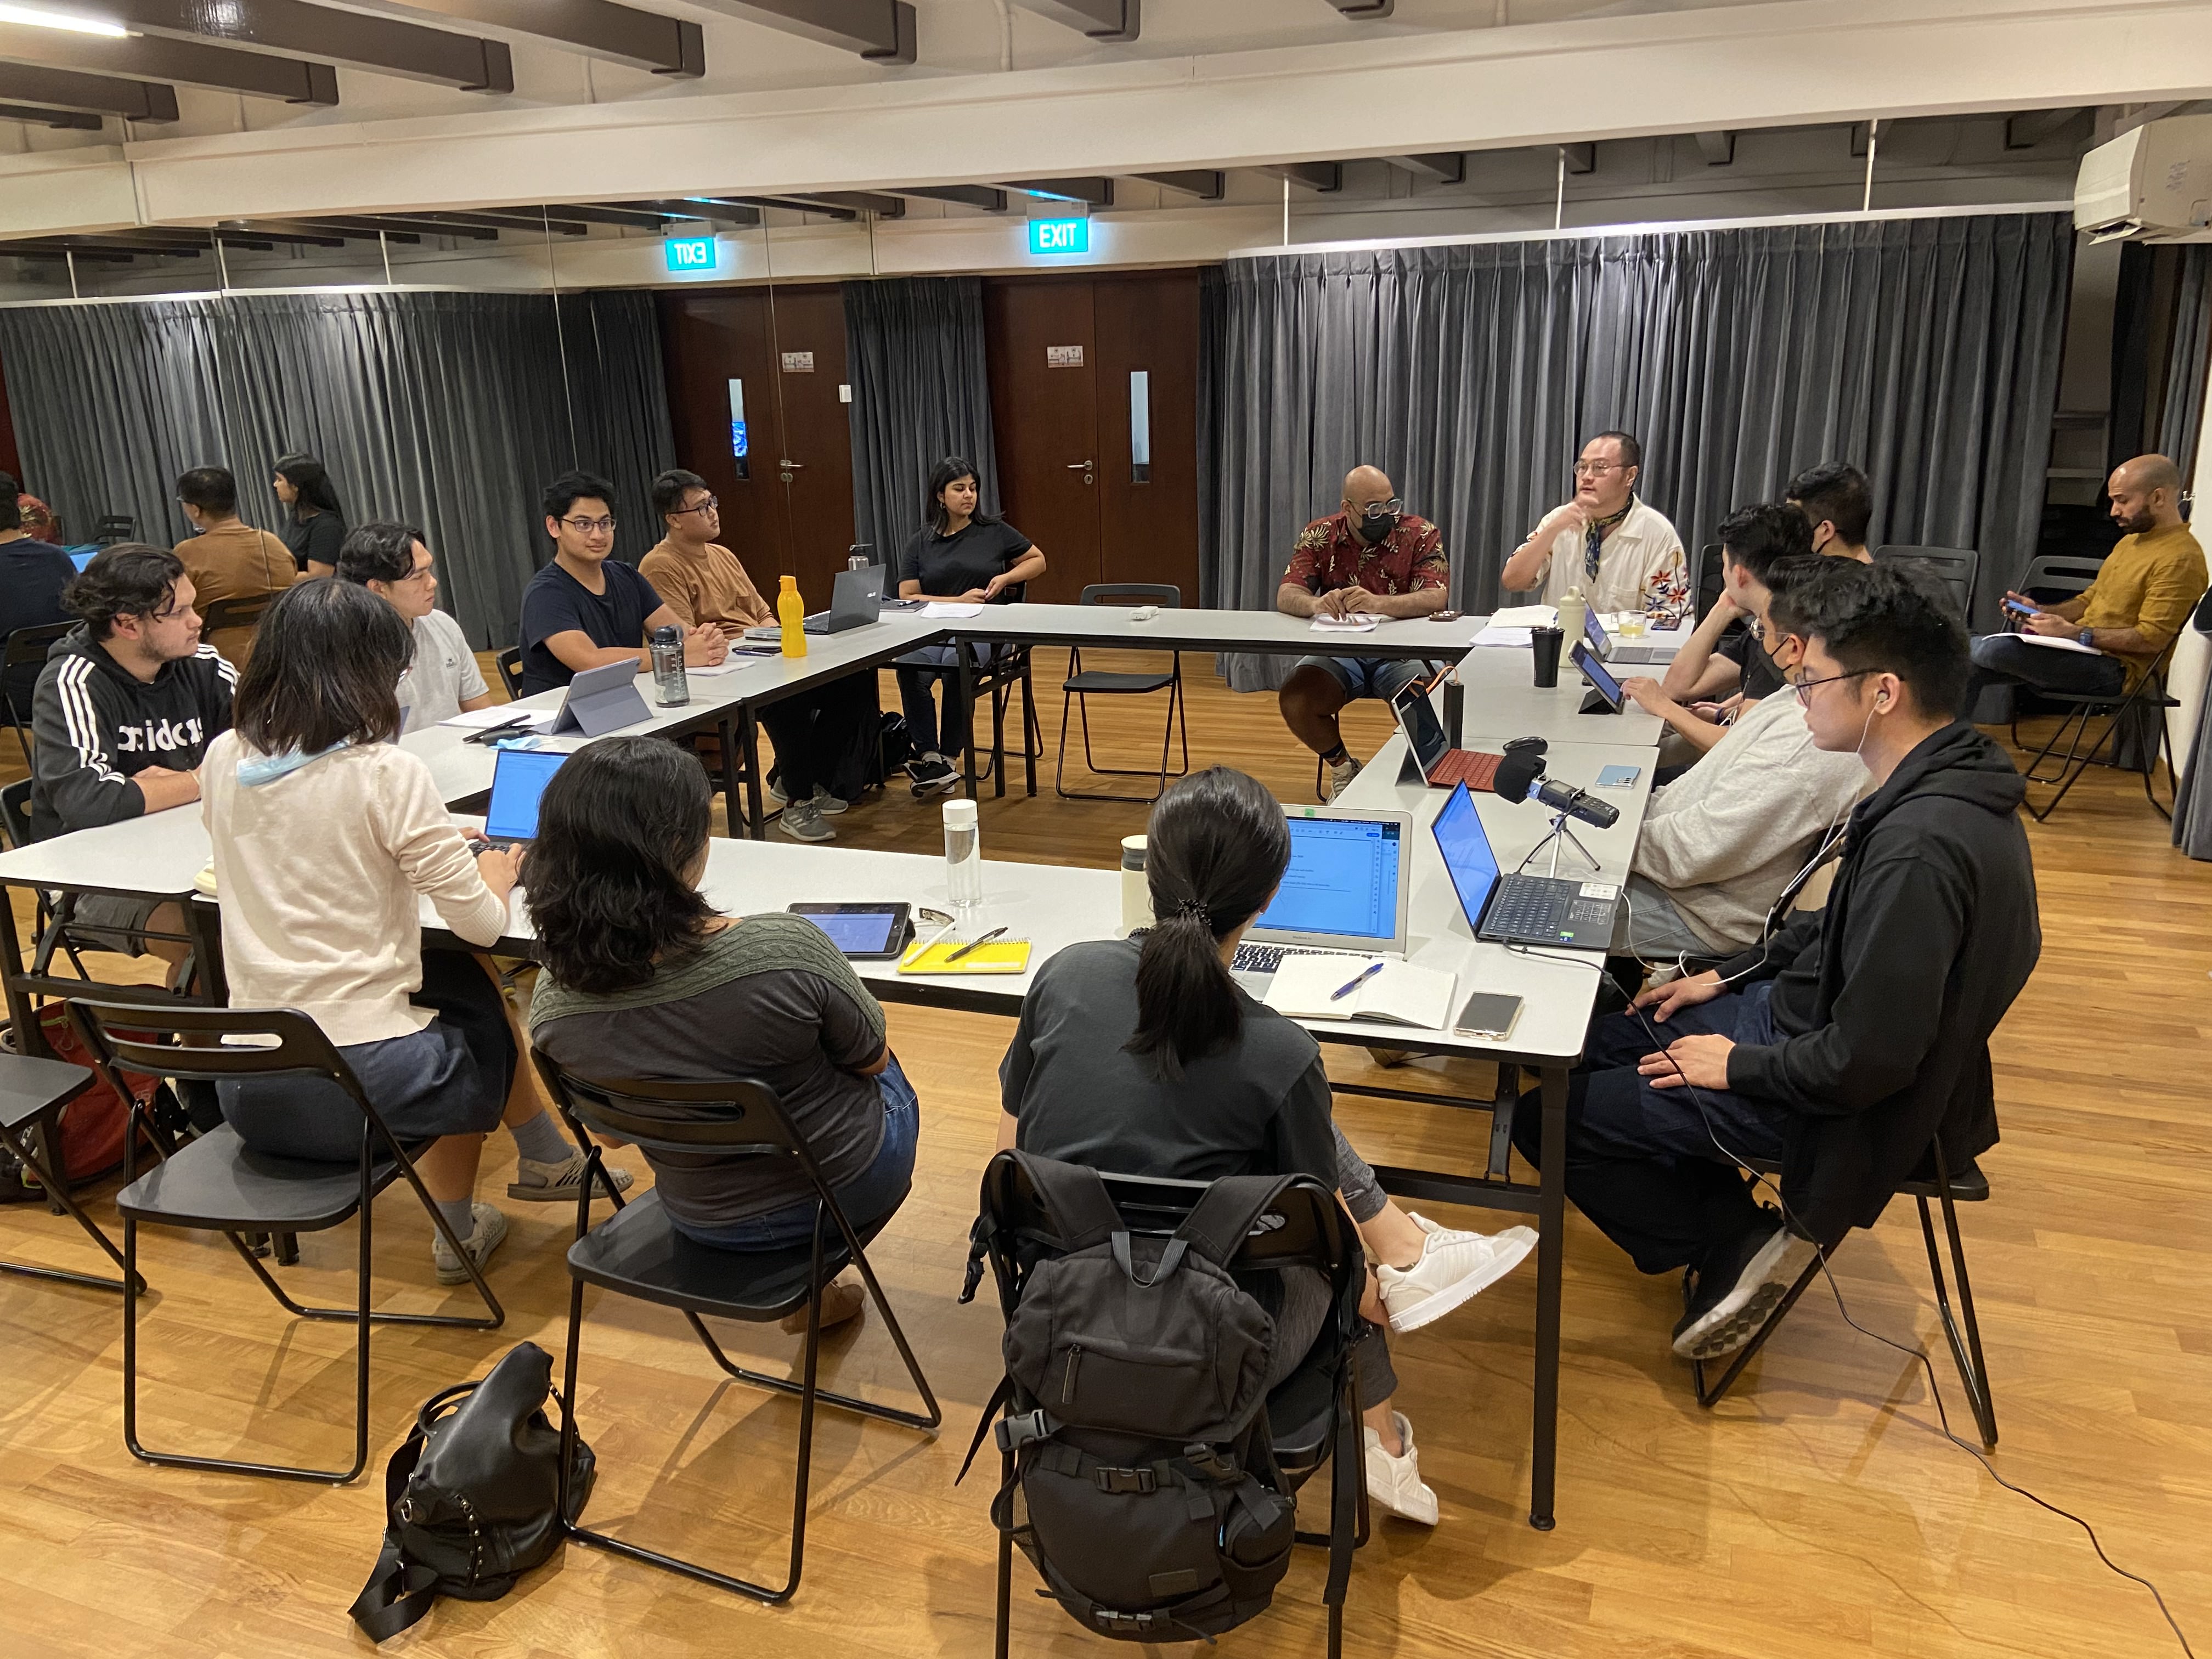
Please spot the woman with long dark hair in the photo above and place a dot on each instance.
(1144, 1057)
(315, 524)
(644, 977)
(961, 555)
(327, 834)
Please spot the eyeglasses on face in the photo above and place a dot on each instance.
(1800, 687)
(1597, 469)
(1377, 509)
(706, 506)
(590, 526)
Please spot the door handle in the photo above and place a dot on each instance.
(800, 466)
(1087, 468)
(787, 468)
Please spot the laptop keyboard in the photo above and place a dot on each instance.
(1266, 958)
(1525, 906)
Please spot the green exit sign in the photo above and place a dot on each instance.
(691, 253)
(1059, 235)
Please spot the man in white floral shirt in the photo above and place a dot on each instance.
(1619, 550)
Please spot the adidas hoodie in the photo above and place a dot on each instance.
(97, 725)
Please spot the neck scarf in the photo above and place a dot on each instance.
(1596, 538)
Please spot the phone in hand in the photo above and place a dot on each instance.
(2019, 610)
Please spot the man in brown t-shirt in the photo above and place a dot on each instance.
(702, 581)
(227, 559)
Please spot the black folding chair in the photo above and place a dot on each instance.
(244, 611)
(1082, 684)
(2146, 699)
(48, 922)
(1956, 568)
(1313, 1415)
(215, 1183)
(637, 1252)
(509, 664)
(25, 647)
(1968, 1186)
(2059, 576)
(115, 528)
(32, 1093)
(1707, 580)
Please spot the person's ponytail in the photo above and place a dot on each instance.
(1215, 849)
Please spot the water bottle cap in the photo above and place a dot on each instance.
(1133, 852)
(960, 815)
(790, 584)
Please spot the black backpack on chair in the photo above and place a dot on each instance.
(1138, 1443)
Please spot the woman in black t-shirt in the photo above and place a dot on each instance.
(313, 522)
(963, 556)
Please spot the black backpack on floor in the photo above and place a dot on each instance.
(1137, 1370)
(471, 1496)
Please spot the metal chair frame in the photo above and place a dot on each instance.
(1168, 597)
(23, 1139)
(509, 665)
(758, 1126)
(135, 1036)
(1958, 567)
(22, 648)
(2148, 691)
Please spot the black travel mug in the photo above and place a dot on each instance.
(1546, 643)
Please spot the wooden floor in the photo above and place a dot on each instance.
(1813, 1514)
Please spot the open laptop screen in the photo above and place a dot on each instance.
(1468, 856)
(518, 780)
(1416, 719)
(1342, 882)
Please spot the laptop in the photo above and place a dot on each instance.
(1605, 645)
(1518, 909)
(1344, 893)
(518, 777)
(855, 600)
(1430, 758)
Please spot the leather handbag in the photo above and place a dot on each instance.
(471, 1496)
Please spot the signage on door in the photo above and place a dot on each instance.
(798, 363)
(1059, 235)
(1063, 356)
(687, 254)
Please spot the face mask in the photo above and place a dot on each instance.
(1375, 529)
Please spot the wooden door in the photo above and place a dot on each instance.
(709, 339)
(1039, 335)
(808, 324)
(1146, 324)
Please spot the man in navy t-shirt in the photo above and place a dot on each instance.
(585, 610)
(33, 573)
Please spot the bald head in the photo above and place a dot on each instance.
(1363, 484)
(2146, 495)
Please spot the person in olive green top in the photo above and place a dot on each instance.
(2123, 622)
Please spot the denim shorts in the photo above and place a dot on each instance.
(1367, 676)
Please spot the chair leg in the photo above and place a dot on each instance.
(26, 1151)
(1159, 775)
(1709, 1396)
(2072, 771)
(1966, 1348)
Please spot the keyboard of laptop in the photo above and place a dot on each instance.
(1266, 958)
(1471, 767)
(1544, 907)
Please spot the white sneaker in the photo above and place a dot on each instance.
(491, 1227)
(1341, 776)
(1454, 1267)
(1395, 1482)
(557, 1183)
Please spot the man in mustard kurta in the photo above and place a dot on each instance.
(2106, 639)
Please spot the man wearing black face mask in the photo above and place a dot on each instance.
(1370, 557)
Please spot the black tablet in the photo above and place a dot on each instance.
(866, 932)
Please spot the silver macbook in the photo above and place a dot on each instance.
(1344, 891)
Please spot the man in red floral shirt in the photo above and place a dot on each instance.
(1369, 557)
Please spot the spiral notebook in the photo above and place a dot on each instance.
(1001, 956)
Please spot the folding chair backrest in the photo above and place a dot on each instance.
(1955, 567)
(1166, 595)
(155, 1036)
(241, 612)
(15, 813)
(2059, 573)
(26, 647)
(1706, 577)
(732, 1116)
(114, 527)
(509, 664)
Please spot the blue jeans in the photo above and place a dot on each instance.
(1367, 676)
(867, 1199)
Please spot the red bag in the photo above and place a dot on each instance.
(93, 1126)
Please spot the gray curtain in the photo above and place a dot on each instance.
(449, 411)
(2184, 404)
(1926, 350)
(921, 390)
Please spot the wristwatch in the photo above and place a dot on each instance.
(2087, 636)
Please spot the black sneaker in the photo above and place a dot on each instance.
(931, 775)
(1738, 1289)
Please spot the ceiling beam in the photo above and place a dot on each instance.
(1366, 10)
(60, 256)
(881, 31)
(797, 204)
(1717, 147)
(1580, 158)
(508, 219)
(149, 58)
(861, 201)
(2031, 127)
(735, 214)
(1326, 177)
(119, 244)
(1207, 184)
(385, 45)
(626, 218)
(1095, 191)
(1101, 20)
(601, 29)
(399, 225)
(87, 94)
(367, 229)
(1446, 167)
(76, 120)
(276, 231)
(974, 196)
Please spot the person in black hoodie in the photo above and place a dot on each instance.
(127, 703)
(1844, 1045)
(33, 572)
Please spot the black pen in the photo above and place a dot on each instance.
(519, 723)
(974, 943)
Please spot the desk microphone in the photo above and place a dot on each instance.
(1521, 774)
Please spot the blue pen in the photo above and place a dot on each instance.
(1357, 979)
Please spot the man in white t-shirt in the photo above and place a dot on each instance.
(1620, 550)
(392, 562)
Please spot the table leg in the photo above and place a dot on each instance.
(966, 660)
(1551, 1254)
(22, 1016)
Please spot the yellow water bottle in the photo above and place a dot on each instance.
(791, 613)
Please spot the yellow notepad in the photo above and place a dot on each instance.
(1001, 956)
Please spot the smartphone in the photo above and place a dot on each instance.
(1617, 777)
(1488, 1014)
(2018, 609)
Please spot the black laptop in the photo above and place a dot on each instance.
(1516, 909)
(855, 600)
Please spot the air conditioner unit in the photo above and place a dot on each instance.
(2153, 185)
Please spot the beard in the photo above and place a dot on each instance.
(2135, 523)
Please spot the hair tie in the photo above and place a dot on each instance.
(1191, 907)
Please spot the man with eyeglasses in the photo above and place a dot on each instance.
(585, 610)
(823, 735)
(1854, 1036)
(1369, 557)
(391, 561)
(1607, 541)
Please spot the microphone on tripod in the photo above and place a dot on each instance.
(1521, 774)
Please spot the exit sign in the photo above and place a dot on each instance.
(1059, 235)
(690, 253)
